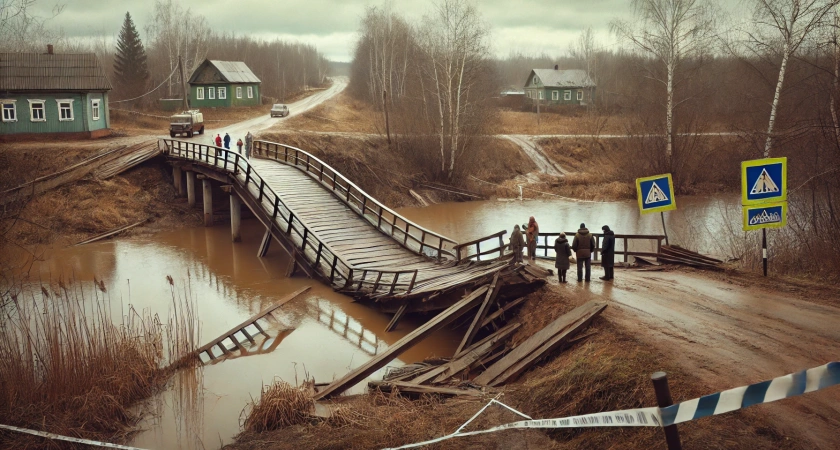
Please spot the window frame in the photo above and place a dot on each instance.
(555, 95)
(199, 93)
(580, 95)
(211, 93)
(43, 109)
(238, 91)
(95, 111)
(69, 102)
(221, 93)
(541, 94)
(567, 95)
(13, 109)
(250, 91)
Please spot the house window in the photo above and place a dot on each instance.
(199, 93)
(250, 91)
(222, 93)
(238, 91)
(211, 93)
(580, 95)
(567, 95)
(529, 94)
(536, 80)
(65, 110)
(9, 110)
(541, 95)
(36, 111)
(94, 109)
(555, 95)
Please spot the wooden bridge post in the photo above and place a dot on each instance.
(207, 196)
(177, 181)
(235, 217)
(191, 188)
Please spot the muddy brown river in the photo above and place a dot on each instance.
(321, 334)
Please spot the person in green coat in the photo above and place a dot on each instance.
(562, 252)
(516, 244)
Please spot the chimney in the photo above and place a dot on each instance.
(49, 49)
(555, 66)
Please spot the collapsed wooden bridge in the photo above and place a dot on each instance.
(338, 233)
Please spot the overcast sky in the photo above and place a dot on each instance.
(528, 26)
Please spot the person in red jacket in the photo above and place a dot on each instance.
(218, 141)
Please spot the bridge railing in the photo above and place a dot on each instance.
(472, 250)
(410, 235)
(651, 243)
(319, 254)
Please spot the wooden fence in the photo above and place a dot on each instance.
(545, 244)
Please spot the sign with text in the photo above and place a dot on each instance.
(763, 180)
(656, 193)
(765, 215)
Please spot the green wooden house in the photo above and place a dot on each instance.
(224, 84)
(559, 87)
(44, 94)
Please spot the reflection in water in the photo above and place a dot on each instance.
(345, 326)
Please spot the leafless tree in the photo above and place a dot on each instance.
(21, 30)
(585, 50)
(175, 32)
(670, 31)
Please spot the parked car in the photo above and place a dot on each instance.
(187, 123)
(279, 110)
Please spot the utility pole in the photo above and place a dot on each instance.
(183, 84)
(385, 105)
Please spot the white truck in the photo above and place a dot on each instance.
(187, 123)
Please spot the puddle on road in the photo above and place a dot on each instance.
(321, 334)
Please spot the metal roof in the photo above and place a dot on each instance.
(52, 72)
(563, 78)
(231, 71)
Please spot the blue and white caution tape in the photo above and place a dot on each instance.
(722, 402)
(59, 437)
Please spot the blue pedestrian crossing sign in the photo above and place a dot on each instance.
(656, 193)
(765, 215)
(763, 180)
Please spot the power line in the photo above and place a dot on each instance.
(147, 93)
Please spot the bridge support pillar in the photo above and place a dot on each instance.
(235, 217)
(264, 244)
(178, 180)
(207, 195)
(191, 188)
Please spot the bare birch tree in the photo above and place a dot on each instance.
(21, 30)
(670, 31)
(178, 32)
(787, 23)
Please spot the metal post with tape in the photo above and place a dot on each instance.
(764, 197)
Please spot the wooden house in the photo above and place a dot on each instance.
(559, 87)
(44, 94)
(224, 84)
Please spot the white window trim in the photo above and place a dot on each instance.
(250, 91)
(3, 104)
(95, 112)
(238, 91)
(222, 91)
(541, 95)
(43, 104)
(199, 93)
(58, 103)
(211, 93)
(567, 95)
(580, 95)
(555, 95)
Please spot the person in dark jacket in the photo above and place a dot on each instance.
(227, 141)
(608, 253)
(563, 252)
(583, 245)
(532, 233)
(516, 244)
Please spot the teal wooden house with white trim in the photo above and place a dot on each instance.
(224, 84)
(559, 87)
(48, 94)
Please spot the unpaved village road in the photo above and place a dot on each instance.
(729, 331)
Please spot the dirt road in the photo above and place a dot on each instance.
(729, 330)
(533, 151)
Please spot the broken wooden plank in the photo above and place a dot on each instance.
(543, 341)
(647, 260)
(679, 251)
(112, 232)
(404, 387)
(495, 286)
(438, 322)
(502, 310)
(393, 323)
(472, 356)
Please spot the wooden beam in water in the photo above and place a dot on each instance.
(393, 323)
(495, 286)
(262, 250)
(444, 318)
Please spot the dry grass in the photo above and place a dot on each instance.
(280, 405)
(341, 114)
(157, 121)
(569, 122)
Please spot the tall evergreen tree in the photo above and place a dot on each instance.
(130, 65)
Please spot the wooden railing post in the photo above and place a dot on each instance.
(411, 285)
(303, 244)
(626, 250)
(291, 219)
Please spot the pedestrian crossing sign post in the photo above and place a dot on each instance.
(656, 193)
(765, 215)
(763, 180)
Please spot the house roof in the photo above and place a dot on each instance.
(563, 78)
(230, 71)
(52, 72)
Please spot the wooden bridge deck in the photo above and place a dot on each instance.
(335, 229)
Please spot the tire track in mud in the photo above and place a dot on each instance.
(537, 155)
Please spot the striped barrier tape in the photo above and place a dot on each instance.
(790, 385)
(59, 437)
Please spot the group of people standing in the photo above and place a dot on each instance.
(249, 140)
(583, 245)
